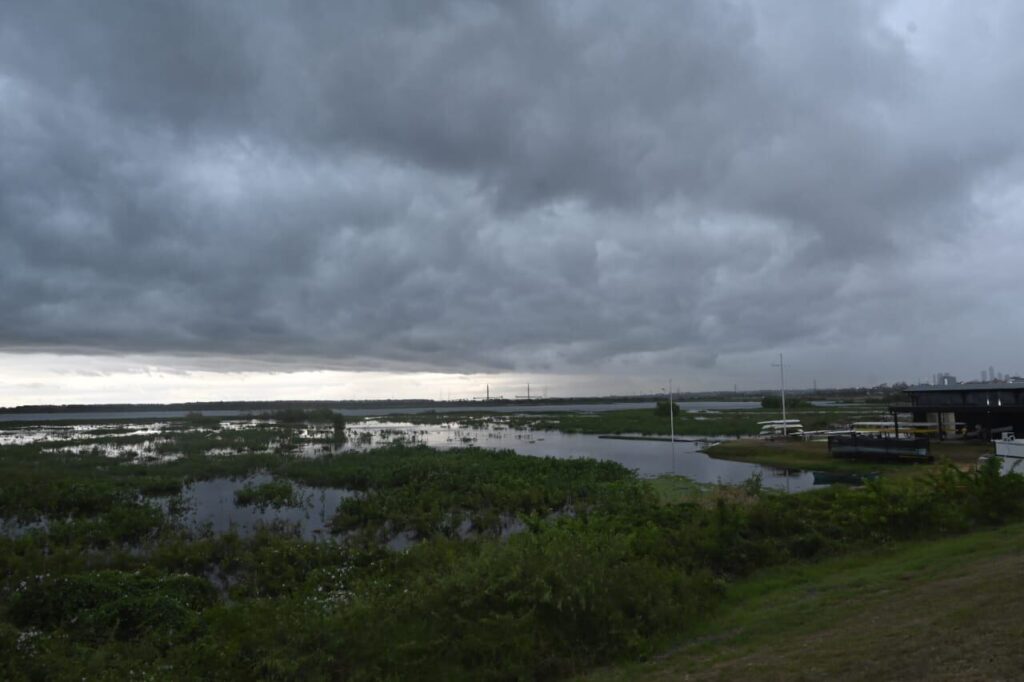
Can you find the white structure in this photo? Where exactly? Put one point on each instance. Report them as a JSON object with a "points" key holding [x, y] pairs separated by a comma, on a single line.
{"points": [[781, 427], [782, 384], [891, 429], [1010, 453]]}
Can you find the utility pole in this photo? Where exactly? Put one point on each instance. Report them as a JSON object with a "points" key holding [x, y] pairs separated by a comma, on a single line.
{"points": [[672, 423], [782, 381]]}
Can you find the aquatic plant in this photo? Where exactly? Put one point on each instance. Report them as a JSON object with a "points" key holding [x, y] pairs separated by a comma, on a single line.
{"points": [[277, 494]]}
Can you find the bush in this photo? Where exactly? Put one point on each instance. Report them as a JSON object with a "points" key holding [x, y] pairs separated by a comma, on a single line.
{"points": [[199, 420], [661, 408], [276, 494], [97, 606], [543, 604], [774, 402]]}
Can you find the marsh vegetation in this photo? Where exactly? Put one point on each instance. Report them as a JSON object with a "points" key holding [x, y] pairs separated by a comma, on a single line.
{"points": [[464, 563]]}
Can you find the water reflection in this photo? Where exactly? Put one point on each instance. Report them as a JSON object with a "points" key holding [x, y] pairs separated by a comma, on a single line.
{"points": [[649, 458], [211, 505], [26, 435]]}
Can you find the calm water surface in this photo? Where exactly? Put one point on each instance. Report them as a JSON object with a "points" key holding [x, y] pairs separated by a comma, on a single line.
{"points": [[211, 504], [648, 458]]}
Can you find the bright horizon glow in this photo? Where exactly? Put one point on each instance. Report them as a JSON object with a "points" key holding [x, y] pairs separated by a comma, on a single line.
{"points": [[48, 378], [59, 379]]}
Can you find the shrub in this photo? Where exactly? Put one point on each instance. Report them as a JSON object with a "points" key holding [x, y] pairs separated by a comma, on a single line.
{"points": [[200, 420], [774, 402], [661, 408], [100, 605], [276, 494]]}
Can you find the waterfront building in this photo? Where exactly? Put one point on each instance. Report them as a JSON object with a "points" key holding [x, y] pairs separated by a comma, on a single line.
{"points": [[982, 408]]}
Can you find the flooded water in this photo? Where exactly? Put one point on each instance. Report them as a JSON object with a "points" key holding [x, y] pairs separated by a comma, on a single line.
{"points": [[211, 504], [649, 458], [41, 434], [145, 451]]}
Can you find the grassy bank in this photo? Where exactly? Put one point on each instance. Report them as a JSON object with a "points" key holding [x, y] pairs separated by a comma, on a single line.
{"points": [[814, 455], [941, 610]]}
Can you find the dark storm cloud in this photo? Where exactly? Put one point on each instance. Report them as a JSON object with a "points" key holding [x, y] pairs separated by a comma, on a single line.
{"points": [[488, 185]]}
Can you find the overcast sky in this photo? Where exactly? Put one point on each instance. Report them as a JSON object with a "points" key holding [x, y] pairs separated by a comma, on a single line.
{"points": [[364, 199]]}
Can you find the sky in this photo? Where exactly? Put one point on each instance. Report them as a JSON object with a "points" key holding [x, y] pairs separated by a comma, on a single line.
{"points": [[323, 199]]}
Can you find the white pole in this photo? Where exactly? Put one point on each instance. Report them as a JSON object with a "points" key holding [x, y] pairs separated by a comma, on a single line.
{"points": [[671, 413], [672, 424], [782, 376]]}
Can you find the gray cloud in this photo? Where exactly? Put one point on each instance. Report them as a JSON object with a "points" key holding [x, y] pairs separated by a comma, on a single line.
{"points": [[488, 186]]}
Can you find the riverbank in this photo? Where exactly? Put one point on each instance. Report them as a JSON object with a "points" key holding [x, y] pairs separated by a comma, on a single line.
{"points": [[814, 456], [701, 422], [942, 610]]}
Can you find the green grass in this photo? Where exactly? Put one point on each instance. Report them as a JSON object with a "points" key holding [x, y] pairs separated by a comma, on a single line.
{"points": [[939, 610], [675, 489], [275, 494]]}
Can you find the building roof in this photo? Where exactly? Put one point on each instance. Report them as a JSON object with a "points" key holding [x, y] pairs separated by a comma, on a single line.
{"points": [[969, 386]]}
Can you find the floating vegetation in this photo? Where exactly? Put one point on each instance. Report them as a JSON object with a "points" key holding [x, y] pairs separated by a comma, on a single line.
{"points": [[276, 494]]}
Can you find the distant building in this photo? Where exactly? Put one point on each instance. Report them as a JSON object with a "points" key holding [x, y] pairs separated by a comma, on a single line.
{"points": [[984, 407]]}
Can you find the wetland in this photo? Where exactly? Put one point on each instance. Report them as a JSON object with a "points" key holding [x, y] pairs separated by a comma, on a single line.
{"points": [[433, 546]]}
